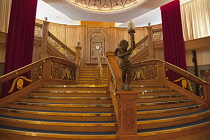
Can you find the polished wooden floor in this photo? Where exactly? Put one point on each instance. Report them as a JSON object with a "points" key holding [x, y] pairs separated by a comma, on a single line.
{"points": [[205, 135]]}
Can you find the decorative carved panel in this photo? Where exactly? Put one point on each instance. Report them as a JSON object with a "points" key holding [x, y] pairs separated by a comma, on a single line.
{"points": [[97, 41]]}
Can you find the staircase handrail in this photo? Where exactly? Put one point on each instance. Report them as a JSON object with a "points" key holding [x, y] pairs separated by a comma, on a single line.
{"points": [[115, 82], [115, 70], [157, 69], [38, 30], [157, 34], [140, 46], [47, 68], [54, 42], [62, 48], [100, 70], [144, 42]]}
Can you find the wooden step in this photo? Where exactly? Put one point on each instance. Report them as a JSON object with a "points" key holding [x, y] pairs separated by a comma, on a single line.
{"points": [[175, 131], [156, 98], [64, 99], [146, 114], [157, 92], [70, 93], [163, 104], [58, 115], [58, 125], [172, 120], [62, 106], [79, 87], [14, 133]]}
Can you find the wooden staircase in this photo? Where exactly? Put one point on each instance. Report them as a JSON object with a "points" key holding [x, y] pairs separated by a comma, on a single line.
{"points": [[92, 76], [85, 111], [162, 112]]}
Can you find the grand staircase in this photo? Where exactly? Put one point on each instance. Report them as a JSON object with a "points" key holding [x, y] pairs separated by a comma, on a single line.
{"points": [[85, 111], [162, 112]]}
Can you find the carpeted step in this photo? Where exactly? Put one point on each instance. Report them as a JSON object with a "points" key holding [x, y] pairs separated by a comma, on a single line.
{"points": [[173, 120], [70, 93], [143, 114], [62, 106], [58, 134], [58, 115], [64, 99], [196, 126], [79, 87], [59, 125], [156, 98], [163, 104]]}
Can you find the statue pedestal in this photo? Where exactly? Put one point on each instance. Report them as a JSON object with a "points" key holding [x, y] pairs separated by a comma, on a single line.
{"points": [[127, 116]]}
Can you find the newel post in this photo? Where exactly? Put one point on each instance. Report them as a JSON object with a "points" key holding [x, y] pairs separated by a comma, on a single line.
{"points": [[78, 53], [150, 42], [206, 87], [161, 72], [127, 117], [115, 67], [47, 69], [206, 93], [45, 29], [77, 59]]}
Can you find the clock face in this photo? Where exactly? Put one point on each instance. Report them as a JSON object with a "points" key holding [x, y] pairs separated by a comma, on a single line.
{"points": [[97, 47]]}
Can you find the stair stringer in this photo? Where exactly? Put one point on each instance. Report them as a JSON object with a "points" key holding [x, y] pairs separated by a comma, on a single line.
{"points": [[53, 52], [185, 92], [33, 86]]}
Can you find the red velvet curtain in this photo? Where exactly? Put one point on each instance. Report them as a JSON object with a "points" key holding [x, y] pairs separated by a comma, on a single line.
{"points": [[174, 50], [19, 45]]}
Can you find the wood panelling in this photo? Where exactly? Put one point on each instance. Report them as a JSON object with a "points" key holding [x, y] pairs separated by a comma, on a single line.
{"points": [[71, 34], [197, 43], [141, 32], [97, 24], [2, 53], [122, 33], [3, 37], [59, 31], [72, 37]]}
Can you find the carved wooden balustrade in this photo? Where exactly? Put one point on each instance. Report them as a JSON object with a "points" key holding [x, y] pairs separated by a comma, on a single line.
{"points": [[38, 30], [59, 46], [38, 72], [124, 101], [160, 70], [144, 72], [207, 78], [145, 48], [41, 31]]}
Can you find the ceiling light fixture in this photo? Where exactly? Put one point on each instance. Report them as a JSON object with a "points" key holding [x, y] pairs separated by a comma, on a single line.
{"points": [[106, 6]]}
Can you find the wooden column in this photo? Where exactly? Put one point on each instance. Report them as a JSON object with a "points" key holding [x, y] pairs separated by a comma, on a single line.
{"points": [[161, 72], [78, 53], [78, 60], [47, 69], [150, 43], [45, 29], [127, 117], [115, 69], [206, 87]]}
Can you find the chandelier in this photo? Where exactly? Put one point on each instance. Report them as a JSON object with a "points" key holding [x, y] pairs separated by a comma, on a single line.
{"points": [[106, 6]]}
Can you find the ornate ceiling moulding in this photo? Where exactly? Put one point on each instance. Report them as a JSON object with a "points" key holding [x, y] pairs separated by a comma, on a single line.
{"points": [[106, 6]]}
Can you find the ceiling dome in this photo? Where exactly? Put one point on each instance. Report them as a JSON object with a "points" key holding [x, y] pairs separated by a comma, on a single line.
{"points": [[106, 6]]}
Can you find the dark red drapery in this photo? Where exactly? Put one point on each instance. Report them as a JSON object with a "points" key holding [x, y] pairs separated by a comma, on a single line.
{"points": [[174, 50], [19, 45]]}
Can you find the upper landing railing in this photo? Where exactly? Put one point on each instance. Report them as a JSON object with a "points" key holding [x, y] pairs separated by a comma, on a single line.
{"points": [[154, 36], [41, 30], [50, 68]]}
